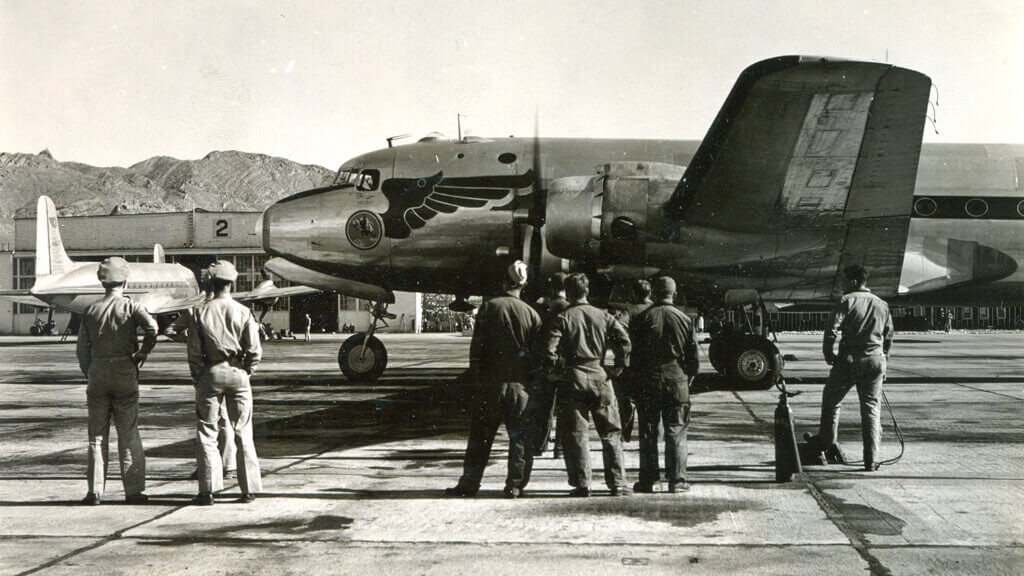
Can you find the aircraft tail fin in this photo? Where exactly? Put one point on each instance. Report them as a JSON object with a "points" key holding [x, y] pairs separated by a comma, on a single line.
{"points": [[50, 255], [158, 254], [806, 137]]}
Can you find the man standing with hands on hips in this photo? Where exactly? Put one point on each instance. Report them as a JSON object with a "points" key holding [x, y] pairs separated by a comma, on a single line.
{"points": [[223, 350], [865, 324], [110, 356]]}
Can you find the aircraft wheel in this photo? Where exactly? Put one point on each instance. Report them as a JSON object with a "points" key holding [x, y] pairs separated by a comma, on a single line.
{"points": [[754, 362], [361, 365], [34, 330]]}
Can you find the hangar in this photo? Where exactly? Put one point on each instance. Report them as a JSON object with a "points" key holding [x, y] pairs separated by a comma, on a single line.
{"points": [[193, 239]]}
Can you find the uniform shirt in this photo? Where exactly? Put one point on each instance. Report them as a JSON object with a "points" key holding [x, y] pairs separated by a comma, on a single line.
{"points": [[505, 329], [229, 334], [109, 330], [663, 335], [864, 322], [551, 308], [582, 334], [634, 310]]}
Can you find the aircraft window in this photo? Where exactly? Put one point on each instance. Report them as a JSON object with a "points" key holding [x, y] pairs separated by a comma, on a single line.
{"points": [[368, 180], [506, 158], [976, 208], [925, 206]]}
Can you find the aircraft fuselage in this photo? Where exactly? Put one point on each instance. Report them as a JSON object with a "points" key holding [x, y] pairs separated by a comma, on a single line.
{"points": [[442, 216]]}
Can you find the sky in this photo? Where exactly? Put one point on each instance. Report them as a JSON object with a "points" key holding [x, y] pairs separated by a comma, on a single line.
{"points": [[112, 83]]}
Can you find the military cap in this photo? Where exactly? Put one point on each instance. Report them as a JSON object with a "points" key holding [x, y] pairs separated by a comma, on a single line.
{"points": [[113, 269], [517, 273], [664, 285], [223, 270]]}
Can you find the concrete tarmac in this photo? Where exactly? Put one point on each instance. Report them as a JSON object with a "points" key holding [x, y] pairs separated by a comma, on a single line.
{"points": [[354, 475]]}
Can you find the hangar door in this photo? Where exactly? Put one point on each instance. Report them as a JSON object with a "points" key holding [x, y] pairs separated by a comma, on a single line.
{"points": [[322, 308]]}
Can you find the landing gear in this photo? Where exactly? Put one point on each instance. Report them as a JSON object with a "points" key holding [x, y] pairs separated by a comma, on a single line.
{"points": [[741, 352], [363, 357]]}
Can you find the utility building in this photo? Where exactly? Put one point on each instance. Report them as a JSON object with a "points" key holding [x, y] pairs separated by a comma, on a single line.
{"points": [[194, 240]]}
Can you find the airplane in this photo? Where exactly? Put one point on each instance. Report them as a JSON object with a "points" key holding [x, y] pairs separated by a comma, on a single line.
{"points": [[160, 287], [811, 164]]}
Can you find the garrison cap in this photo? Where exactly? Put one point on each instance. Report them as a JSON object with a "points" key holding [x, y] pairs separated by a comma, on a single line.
{"points": [[664, 285], [223, 270], [114, 269], [517, 273]]}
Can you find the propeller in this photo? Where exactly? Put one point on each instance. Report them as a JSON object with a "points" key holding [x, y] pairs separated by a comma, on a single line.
{"points": [[532, 244]]}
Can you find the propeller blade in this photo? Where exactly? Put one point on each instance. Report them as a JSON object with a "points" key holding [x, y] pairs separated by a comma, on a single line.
{"points": [[538, 212]]}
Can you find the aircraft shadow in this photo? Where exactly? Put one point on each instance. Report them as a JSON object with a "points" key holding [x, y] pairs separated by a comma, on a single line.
{"points": [[432, 408]]}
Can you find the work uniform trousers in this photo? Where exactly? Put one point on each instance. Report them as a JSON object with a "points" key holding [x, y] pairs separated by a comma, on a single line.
{"points": [[866, 373], [228, 385], [113, 393], [674, 418], [622, 385], [226, 440], [589, 395], [541, 415], [496, 403]]}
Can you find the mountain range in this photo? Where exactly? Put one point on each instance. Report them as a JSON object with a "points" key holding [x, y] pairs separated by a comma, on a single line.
{"points": [[220, 181]]}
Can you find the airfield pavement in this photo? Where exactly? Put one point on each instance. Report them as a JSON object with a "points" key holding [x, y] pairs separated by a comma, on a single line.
{"points": [[354, 475]]}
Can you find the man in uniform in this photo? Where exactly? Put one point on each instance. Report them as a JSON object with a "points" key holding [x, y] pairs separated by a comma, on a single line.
{"points": [[223, 350], [178, 332], [110, 357], [499, 359], [579, 339], [663, 364], [865, 324], [641, 301], [542, 411]]}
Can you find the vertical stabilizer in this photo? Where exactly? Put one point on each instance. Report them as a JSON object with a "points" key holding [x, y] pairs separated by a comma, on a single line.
{"points": [[50, 255], [158, 254]]}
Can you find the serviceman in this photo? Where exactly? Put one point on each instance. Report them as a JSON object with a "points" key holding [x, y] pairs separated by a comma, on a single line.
{"points": [[865, 325], [579, 338], [178, 332], [309, 326], [110, 356], [641, 300], [499, 359], [542, 410], [663, 363], [223, 350]]}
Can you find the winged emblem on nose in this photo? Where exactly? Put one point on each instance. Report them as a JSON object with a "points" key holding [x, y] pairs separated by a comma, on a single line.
{"points": [[414, 201]]}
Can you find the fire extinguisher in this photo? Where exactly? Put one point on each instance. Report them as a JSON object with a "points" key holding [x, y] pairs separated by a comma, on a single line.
{"points": [[787, 455]]}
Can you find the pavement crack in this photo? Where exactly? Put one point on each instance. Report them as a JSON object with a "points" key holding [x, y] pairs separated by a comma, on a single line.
{"points": [[875, 566]]}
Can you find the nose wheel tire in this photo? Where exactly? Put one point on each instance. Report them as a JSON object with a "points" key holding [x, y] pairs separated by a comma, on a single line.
{"points": [[361, 364], [754, 362]]}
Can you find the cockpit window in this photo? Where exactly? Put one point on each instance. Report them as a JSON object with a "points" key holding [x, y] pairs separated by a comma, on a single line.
{"points": [[366, 180]]}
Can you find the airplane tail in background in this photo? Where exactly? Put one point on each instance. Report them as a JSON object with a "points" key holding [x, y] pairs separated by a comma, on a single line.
{"points": [[158, 254], [50, 255]]}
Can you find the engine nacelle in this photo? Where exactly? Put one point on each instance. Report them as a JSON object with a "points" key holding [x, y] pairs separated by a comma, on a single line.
{"points": [[607, 219]]}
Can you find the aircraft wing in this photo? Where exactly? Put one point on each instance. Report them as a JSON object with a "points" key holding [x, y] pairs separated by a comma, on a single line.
{"points": [[22, 297], [172, 305], [275, 292], [812, 143]]}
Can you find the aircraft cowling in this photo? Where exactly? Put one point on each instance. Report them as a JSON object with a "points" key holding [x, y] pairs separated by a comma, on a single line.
{"points": [[606, 220]]}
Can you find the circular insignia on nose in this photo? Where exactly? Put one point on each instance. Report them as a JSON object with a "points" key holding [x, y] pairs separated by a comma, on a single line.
{"points": [[364, 229]]}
